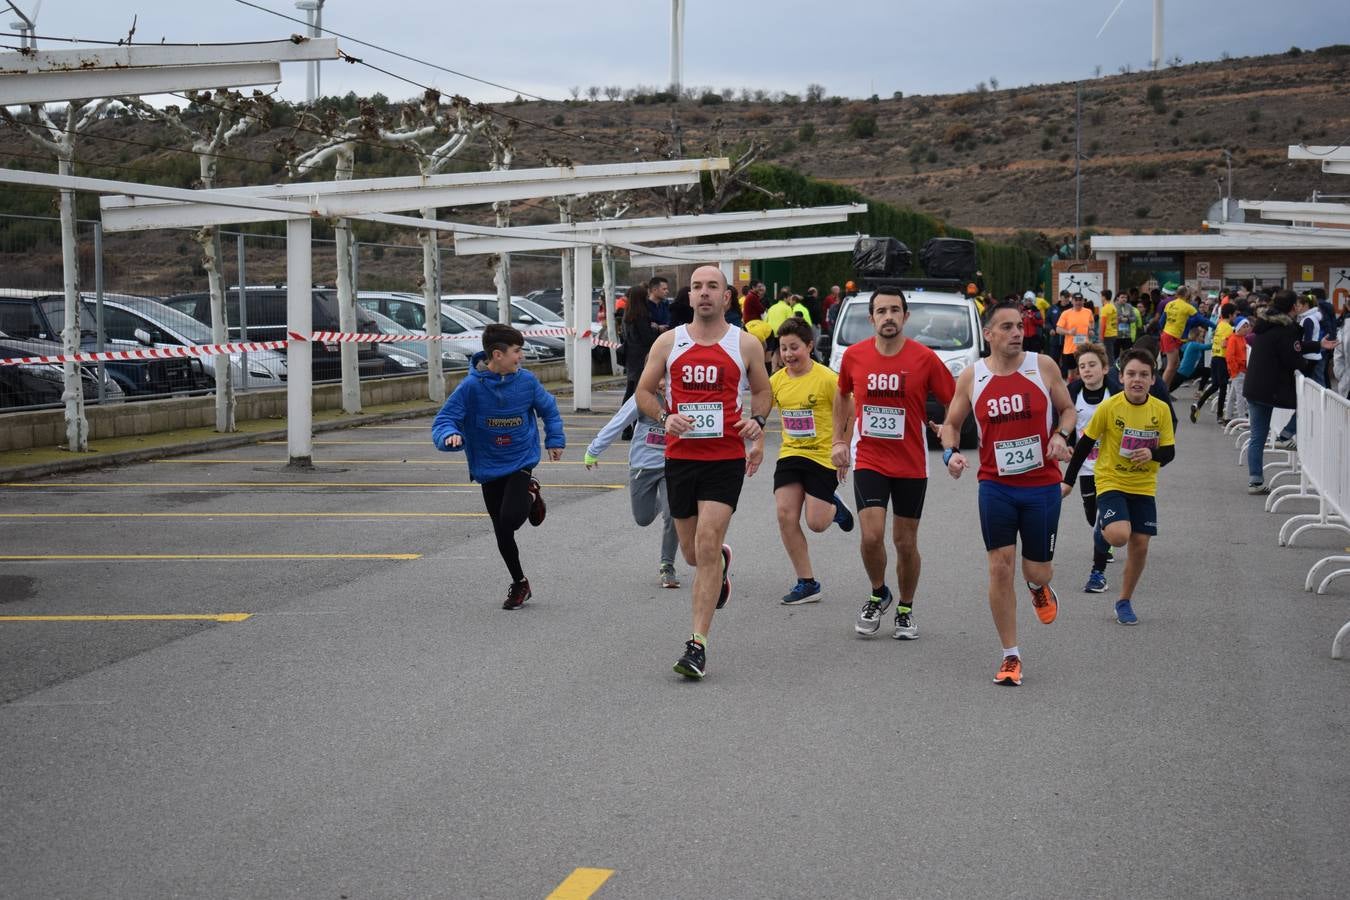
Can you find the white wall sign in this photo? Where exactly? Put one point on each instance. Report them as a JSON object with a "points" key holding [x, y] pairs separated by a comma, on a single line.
{"points": [[1089, 284]]}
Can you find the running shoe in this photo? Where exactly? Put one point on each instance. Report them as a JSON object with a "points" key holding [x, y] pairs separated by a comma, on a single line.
{"points": [[1286, 443], [726, 577], [1195, 413], [537, 507], [1125, 613], [869, 617], [806, 590], [1258, 488], [1222, 422], [1009, 671], [694, 663], [1045, 601], [842, 517], [1096, 582], [517, 594], [905, 629], [668, 577]]}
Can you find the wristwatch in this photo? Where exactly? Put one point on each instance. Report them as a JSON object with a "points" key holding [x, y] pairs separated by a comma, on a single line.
{"points": [[759, 420], [664, 415], [1064, 434]]}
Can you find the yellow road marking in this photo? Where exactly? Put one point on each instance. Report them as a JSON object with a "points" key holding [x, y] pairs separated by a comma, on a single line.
{"points": [[246, 515], [141, 556], [206, 617], [581, 884], [281, 484]]}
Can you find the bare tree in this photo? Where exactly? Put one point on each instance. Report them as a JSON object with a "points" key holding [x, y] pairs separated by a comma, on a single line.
{"points": [[502, 143], [592, 93], [218, 119], [993, 84], [60, 142], [608, 206], [613, 92], [745, 94], [449, 128], [575, 91], [815, 93]]}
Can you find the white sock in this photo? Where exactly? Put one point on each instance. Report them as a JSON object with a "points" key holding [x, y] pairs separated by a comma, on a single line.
{"points": [[1011, 651]]}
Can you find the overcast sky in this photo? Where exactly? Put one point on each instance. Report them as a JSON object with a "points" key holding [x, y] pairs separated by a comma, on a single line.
{"points": [[852, 47]]}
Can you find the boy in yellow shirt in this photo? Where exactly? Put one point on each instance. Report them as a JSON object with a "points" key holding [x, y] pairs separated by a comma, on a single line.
{"points": [[1135, 434], [805, 477], [1218, 364], [1107, 326]]}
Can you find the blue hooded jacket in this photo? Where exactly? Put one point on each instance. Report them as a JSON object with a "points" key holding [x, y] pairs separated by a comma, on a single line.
{"points": [[496, 415]]}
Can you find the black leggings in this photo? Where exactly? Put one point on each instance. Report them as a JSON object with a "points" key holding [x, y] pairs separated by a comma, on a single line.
{"points": [[508, 503], [1087, 487]]}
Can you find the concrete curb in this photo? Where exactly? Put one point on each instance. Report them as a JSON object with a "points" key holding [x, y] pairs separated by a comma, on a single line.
{"points": [[229, 441]]}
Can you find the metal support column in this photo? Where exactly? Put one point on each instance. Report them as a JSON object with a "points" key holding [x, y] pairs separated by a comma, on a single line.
{"points": [[581, 347], [300, 354]]}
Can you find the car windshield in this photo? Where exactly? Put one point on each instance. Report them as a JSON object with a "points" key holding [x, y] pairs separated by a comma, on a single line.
{"points": [[479, 318], [386, 324], [541, 313], [938, 326], [167, 318]]}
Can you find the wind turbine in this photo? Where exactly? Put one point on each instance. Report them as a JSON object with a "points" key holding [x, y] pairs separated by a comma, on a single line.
{"points": [[676, 45], [1157, 29], [27, 25]]}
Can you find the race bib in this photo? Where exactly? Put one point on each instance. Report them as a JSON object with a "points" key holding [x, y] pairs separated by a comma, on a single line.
{"points": [[1018, 456], [886, 422], [656, 438], [707, 419], [1134, 438], [799, 423]]}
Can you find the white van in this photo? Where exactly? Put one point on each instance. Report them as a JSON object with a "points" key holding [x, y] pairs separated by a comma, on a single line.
{"points": [[947, 323]]}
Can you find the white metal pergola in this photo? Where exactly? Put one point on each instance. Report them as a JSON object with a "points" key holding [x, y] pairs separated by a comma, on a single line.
{"points": [[622, 233], [35, 78], [727, 253], [298, 214], [50, 76]]}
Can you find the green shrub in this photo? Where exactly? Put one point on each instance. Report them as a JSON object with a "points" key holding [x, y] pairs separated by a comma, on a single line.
{"points": [[863, 127]]}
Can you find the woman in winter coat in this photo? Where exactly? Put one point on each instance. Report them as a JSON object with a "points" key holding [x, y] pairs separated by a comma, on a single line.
{"points": [[638, 336], [1271, 364]]}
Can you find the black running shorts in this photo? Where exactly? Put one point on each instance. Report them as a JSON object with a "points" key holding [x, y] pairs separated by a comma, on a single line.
{"points": [[905, 495], [818, 481], [690, 480]]}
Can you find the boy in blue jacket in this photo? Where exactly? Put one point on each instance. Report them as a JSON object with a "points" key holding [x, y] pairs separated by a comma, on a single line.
{"points": [[491, 417]]}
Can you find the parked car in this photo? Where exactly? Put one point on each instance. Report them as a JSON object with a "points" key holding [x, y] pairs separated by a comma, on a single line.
{"points": [[552, 299], [450, 359], [947, 323], [42, 384], [266, 311], [144, 321], [463, 327], [546, 346], [41, 315], [528, 316]]}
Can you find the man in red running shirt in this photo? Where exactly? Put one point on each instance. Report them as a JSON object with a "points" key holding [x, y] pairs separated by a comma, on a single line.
{"points": [[704, 364], [884, 385], [1025, 417]]}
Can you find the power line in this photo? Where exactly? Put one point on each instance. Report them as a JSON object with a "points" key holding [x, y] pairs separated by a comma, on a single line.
{"points": [[354, 40]]}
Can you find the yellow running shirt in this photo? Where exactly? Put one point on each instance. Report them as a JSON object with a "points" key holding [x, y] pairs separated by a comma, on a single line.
{"points": [[1176, 313], [1118, 426], [1222, 332], [807, 407]]}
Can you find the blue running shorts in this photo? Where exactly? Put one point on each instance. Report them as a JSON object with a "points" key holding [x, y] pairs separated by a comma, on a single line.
{"points": [[1030, 513]]}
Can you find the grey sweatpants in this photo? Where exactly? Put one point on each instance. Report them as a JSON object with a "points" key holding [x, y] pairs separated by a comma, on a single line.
{"points": [[647, 490]]}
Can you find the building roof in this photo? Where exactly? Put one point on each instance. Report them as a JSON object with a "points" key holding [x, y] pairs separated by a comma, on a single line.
{"points": [[1198, 242]]}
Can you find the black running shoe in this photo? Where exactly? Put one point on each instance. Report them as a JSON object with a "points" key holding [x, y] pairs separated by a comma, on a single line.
{"points": [[694, 662], [726, 576], [537, 507], [517, 594]]}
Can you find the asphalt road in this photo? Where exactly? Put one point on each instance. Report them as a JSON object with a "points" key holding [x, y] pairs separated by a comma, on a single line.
{"points": [[379, 727]]}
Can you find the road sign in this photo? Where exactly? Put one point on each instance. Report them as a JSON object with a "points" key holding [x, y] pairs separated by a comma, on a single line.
{"points": [[1202, 270]]}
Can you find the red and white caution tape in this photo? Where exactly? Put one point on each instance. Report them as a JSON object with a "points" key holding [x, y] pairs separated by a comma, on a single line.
{"points": [[326, 337], [146, 353]]}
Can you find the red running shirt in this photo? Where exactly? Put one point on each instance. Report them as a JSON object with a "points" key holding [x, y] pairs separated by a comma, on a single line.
{"points": [[704, 382], [890, 395], [1014, 416]]}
